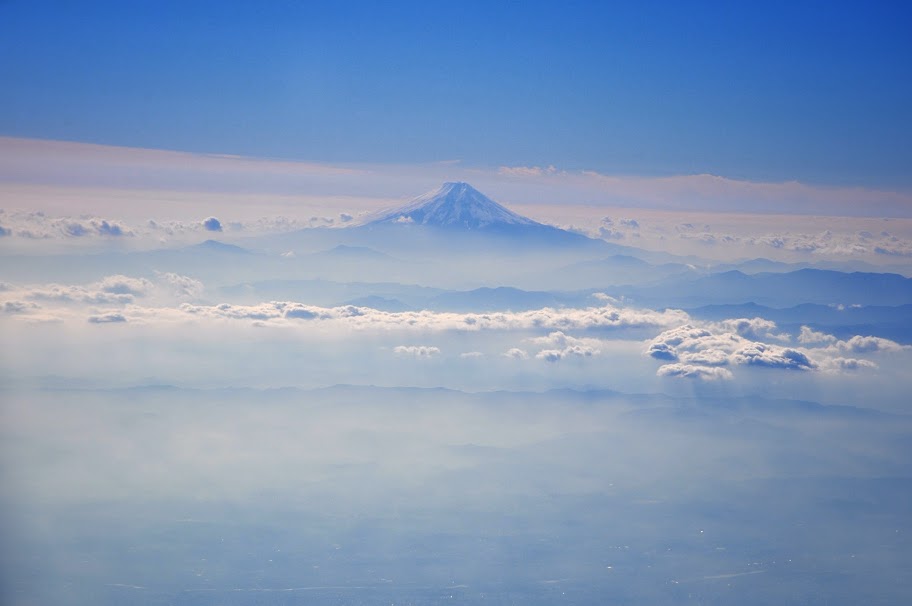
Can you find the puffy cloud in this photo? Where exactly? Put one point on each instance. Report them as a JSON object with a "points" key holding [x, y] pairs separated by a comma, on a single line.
{"points": [[558, 339], [110, 229], [690, 371], [772, 356], [610, 233], [76, 230], [829, 242], [516, 353], [124, 285], [553, 355], [662, 351], [711, 346], [182, 286], [753, 328], [704, 234], [37, 225], [607, 298], [690, 346], [861, 344], [562, 346], [811, 336], [212, 224], [471, 354], [709, 357], [611, 229], [299, 312], [687, 337], [99, 227], [417, 351], [264, 311], [846, 364]]}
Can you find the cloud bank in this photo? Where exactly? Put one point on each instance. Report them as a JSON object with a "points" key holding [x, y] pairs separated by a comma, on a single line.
{"points": [[707, 351]]}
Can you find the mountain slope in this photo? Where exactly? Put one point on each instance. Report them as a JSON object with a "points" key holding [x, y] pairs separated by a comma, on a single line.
{"points": [[459, 217], [456, 205]]}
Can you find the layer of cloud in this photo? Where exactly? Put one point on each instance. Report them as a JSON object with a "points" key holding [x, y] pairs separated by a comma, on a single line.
{"points": [[689, 348], [811, 336], [516, 354], [591, 318], [125, 285], [57, 162], [716, 346], [416, 351], [558, 346], [182, 286], [691, 371], [692, 351], [840, 365], [838, 238], [866, 344], [705, 351], [115, 290], [36, 225], [752, 328], [772, 356], [714, 192]]}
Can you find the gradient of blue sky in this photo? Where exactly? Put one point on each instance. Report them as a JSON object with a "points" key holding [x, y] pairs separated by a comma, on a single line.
{"points": [[813, 91]]}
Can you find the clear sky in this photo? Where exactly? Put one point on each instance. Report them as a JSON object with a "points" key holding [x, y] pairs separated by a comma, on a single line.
{"points": [[819, 92]]}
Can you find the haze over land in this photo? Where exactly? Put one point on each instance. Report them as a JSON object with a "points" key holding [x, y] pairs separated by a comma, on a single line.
{"points": [[608, 331]]}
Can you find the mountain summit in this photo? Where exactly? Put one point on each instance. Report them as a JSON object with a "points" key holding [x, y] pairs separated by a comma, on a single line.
{"points": [[454, 205], [457, 215]]}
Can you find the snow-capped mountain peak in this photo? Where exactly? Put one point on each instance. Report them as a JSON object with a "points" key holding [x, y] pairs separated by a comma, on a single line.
{"points": [[453, 205]]}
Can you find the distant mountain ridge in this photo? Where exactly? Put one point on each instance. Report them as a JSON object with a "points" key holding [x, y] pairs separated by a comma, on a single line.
{"points": [[817, 286]]}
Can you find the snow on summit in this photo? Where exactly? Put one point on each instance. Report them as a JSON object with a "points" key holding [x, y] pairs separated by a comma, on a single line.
{"points": [[453, 205]]}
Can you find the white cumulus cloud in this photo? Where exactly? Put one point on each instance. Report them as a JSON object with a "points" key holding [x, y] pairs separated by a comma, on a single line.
{"points": [[691, 371], [417, 351]]}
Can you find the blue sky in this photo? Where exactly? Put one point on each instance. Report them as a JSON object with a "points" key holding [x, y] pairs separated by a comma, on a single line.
{"points": [[816, 92]]}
